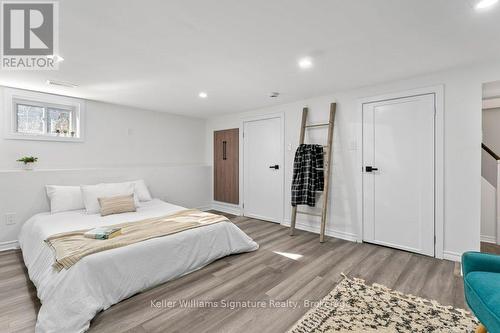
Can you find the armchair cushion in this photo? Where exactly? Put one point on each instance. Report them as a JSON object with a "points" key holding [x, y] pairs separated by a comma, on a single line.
{"points": [[480, 262], [482, 288]]}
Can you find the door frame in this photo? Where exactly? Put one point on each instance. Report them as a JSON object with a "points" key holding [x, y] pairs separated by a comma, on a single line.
{"points": [[438, 92], [281, 116]]}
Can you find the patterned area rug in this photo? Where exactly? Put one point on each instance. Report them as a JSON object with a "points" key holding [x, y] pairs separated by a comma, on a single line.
{"points": [[354, 306]]}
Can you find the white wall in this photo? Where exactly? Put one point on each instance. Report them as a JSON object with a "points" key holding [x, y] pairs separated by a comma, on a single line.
{"points": [[120, 143], [462, 102], [23, 192], [155, 138]]}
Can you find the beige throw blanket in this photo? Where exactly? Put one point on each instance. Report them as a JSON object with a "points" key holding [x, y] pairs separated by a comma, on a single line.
{"points": [[72, 246]]}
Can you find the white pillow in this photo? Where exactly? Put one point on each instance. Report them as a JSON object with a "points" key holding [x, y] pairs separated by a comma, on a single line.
{"points": [[64, 198], [91, 194], [141, 190]]}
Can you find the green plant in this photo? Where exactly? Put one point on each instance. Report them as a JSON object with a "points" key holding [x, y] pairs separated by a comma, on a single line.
{"points": [[28, 159]]}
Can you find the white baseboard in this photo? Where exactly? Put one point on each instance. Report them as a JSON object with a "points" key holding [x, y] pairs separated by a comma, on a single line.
{"points": [[11, 245], [453, 256], [328, 232], [488, 239], [448, 255], [263, 218], [342, 235], [227, 208], [204, 208]]}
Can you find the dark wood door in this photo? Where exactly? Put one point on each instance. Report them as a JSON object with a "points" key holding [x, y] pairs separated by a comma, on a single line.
{"points": [[226, 166]]}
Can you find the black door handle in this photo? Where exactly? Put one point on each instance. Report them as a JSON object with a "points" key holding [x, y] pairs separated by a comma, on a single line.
{"points": [[370, 169], [275, 167]]}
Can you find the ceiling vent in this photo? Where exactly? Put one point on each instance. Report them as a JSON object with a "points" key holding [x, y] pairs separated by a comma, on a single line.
{"points": [[61, 84]]}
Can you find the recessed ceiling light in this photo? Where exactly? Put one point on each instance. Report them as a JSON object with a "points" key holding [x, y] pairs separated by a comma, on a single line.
{"points": [[305, 63], [55, 57], [62, 83], [203, 94], [483, 4]]}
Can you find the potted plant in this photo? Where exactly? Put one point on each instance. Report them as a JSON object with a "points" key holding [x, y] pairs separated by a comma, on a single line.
{"points": [[28, 162], [58, 132], [73, 134], [65, 132]]}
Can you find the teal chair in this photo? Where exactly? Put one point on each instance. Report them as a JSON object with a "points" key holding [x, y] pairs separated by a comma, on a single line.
{"points": [[482, 288]]}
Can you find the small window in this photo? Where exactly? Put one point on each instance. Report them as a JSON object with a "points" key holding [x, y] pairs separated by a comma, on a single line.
{"points": [[37, 116], [30, 119], [60, 121], [42, 119]]}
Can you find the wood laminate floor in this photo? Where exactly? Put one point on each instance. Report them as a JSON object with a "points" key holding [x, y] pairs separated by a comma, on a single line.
{"points": [[284, 268]]}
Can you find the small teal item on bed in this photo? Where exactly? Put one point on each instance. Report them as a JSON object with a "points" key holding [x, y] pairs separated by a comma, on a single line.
{"points": [[103, 233], [482, 287]]}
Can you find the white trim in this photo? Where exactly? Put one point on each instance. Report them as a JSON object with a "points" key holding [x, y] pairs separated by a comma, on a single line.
{"points": [[227, 208], [10, 245], [488, 239], [11, 94], [263, 218], [315, 228], [281, 116], [119, 167], [204, 208], [394, 246], [439, 172], [452, 256], [438, 92]]}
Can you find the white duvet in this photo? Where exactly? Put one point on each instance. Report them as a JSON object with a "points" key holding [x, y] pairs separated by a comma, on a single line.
{"points": [[71, 298]]}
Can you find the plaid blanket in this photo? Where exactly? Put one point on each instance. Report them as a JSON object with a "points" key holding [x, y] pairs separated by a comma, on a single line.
{"points": [[308, 175]]}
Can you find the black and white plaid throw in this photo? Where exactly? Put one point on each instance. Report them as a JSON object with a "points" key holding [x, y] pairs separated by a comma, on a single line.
{"points": [[308, 175]]}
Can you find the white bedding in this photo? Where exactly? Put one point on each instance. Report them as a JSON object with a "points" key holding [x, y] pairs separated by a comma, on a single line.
{"points": [[71, 298]]}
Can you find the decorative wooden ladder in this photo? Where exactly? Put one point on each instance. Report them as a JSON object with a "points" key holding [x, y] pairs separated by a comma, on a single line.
{"points": [[327, 164]]}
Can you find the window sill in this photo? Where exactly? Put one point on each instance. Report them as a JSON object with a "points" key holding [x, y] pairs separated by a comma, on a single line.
{"points": [[16, 136]]}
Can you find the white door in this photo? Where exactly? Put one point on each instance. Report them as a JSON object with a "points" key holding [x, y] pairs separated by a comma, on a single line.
{"points": [[398, 173], [263, 169]]}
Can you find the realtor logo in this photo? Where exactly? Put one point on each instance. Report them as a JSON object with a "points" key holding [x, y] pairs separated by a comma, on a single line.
{"points": [[29, 35]]}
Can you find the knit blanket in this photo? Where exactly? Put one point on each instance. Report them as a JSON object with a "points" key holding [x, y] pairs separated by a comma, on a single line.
{"points": [[70, 247]]}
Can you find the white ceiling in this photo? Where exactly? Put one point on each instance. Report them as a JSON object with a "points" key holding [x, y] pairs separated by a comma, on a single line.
{"points": [[159, 55]]}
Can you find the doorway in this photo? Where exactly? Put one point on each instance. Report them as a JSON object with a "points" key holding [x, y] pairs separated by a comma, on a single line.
{"points": [[263, 168], [490, 169], [399, 172]]}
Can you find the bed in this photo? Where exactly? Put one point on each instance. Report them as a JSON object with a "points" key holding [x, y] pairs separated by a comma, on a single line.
{"points": [[72, 297]]}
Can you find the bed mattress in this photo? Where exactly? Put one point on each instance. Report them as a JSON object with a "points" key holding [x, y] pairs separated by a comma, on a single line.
{"points": [[71, 298]]}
